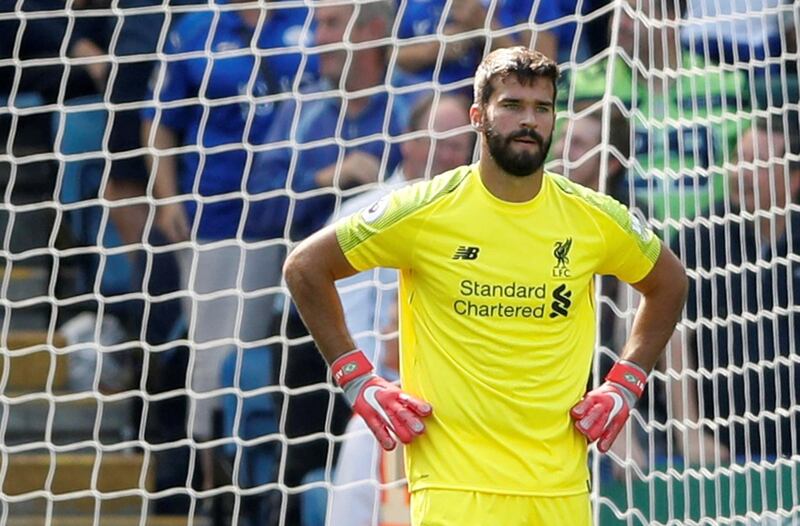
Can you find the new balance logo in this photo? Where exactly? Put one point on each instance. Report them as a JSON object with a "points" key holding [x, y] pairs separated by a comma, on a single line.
{"points": [[561, 301], [463, 252]]}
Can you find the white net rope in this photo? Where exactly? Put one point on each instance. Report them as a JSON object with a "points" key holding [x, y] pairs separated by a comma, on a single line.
{"points": [[153, 367]]}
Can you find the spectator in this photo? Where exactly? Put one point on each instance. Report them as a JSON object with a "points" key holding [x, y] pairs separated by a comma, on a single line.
{"points": [[138, 36], [681, 139], [578, 152], [557, 43], [199, 184], [745, 276], [340, 130], [317, 168], [364, 296], [369, 298], [421, 62], [753, 35], [44, 37], [578, 42], [128, 174], [510, 13], [369, 483]]}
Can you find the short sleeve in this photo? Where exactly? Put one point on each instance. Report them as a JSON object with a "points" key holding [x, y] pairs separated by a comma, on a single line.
{"points": [[631, 247], [382, 234]]}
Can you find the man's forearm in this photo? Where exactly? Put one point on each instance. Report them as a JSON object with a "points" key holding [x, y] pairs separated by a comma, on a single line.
{"points": [[319, 305], [311, 272], [356, 169], [653, 326], [603, 412], [314, 293], [416, 57]]}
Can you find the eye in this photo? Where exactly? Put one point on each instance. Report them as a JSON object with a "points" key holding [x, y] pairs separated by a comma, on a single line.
{"points": [[510, 104], [543, 108]]}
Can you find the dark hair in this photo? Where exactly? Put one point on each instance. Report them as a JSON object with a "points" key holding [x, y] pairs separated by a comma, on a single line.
{"points": [[525, 64]]}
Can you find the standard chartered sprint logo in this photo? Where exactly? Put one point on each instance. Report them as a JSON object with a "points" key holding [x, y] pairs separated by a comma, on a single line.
{"points": [[510, 300]]}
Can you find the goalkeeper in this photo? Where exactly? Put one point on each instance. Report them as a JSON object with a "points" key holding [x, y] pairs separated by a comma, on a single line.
{"points": [[497, 263]]}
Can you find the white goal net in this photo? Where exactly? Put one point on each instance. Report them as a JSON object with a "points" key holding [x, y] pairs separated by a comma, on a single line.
{"points": [[160, 158]]}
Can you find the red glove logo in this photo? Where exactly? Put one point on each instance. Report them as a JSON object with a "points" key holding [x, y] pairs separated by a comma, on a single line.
{"points": [[601, 415], [603, 411], [385, 408]]}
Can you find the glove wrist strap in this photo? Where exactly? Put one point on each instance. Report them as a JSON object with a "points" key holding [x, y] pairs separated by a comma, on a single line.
{"points": [[351, 371], [629, 376], [350, 366]]}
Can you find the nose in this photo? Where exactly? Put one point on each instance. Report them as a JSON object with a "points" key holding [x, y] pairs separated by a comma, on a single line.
{"points": [[528, 118]]}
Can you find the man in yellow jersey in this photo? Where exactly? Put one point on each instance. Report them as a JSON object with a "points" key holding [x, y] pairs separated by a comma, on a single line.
{"points": [[497, 263]]}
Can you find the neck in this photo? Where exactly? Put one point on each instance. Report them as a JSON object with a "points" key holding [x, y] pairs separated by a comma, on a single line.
{"points": [[505, 186]]}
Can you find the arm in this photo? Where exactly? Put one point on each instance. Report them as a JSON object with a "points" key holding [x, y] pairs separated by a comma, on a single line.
{"points": [[417, 57], [311, 272], [170, 218], [663, 293], [357, 168], [604, 411], [501, 41], [98, 71]]}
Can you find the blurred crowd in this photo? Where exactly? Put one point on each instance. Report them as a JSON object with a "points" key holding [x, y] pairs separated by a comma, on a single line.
{"points": [[208, 137]]}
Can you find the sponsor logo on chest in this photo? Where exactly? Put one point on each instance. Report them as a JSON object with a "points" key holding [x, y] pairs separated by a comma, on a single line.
{"points": [[484, 297]]}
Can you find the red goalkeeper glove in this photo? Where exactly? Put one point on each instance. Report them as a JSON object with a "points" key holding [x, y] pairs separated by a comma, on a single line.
{"points": [[603, 411], [382, 405]]}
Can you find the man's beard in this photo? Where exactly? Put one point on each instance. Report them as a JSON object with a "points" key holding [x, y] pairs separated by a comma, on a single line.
{"points": [[521, 164]]}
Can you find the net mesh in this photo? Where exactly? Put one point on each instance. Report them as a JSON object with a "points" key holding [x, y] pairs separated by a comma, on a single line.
{"points": [[160, 159]]}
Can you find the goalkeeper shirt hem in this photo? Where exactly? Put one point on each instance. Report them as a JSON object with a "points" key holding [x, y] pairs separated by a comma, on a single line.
{"points": [[566, 492]]}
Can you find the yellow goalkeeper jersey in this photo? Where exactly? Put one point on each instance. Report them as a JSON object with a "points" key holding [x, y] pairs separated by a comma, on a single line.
{"points": [[497, 321]]}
